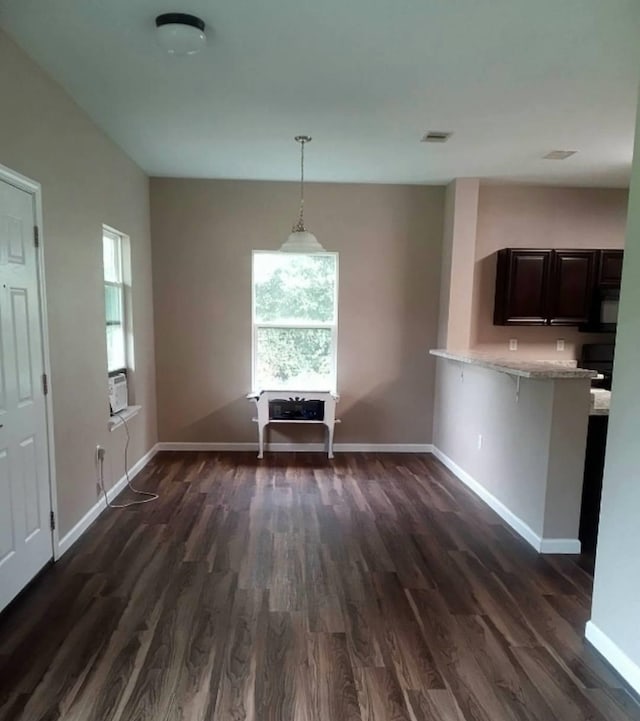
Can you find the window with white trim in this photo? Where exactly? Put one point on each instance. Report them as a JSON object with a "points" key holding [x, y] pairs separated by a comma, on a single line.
{"points": [[295, 321], [113, 248]]}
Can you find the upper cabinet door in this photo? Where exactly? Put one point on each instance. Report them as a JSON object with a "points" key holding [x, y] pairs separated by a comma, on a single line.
{"points": [[572, 285], [610, 268], [522, 287]]}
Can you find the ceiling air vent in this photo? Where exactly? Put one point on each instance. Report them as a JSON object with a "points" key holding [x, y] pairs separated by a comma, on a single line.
{"points": [[436, 136], [559, 154]]}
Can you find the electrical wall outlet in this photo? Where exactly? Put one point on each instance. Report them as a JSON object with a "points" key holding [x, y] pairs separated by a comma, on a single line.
{"points": [[480, 441], [513, 344], [560, 344], [100, 453]]}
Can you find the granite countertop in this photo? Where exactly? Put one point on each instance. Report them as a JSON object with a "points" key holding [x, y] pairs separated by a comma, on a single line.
{"points": [[523, 368]]}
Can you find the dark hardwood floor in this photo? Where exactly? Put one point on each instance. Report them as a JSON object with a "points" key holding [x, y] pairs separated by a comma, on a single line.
{"points": [[370, 588]]}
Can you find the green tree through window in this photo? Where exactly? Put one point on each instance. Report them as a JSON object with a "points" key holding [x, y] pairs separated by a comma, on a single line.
{"points": [[295, 320]]}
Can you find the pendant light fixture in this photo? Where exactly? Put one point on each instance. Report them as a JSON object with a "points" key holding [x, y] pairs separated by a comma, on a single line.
{"points": [[301, 240]]}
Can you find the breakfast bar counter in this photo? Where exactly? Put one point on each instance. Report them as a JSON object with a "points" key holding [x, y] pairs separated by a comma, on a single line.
{"points": [[515, 431], [549, 370]]}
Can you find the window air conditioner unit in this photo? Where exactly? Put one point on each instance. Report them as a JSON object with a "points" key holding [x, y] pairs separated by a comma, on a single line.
{"points": [[118, 394]]}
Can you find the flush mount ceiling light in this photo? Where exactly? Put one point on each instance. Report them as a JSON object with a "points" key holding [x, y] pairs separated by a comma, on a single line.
{"points": [[301, 240], [181, 34]]}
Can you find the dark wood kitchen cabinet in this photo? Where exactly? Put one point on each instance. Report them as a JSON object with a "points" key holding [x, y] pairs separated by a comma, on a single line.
{"points": [[522, 287], [552, 287], [610, 268], [571, 286]]}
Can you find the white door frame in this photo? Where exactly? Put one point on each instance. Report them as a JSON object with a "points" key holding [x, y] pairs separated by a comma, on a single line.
{"points": [[35, 190]]}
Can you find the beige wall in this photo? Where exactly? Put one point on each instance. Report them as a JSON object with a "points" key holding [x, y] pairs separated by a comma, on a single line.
{"points": [[615, 616], [445, 266], [529, 216], [458, 263], [389, 240], [533, 442], [86, 181]]}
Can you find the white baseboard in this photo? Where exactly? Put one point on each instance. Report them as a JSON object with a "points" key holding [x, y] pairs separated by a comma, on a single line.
{"points": [[383, 447], [301, 447], [542, 545], [65, 543], [186, 446], [561, 545], [628, 669]]}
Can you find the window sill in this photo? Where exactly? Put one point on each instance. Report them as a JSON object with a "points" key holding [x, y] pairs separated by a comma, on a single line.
{"points": [[286, 392], [128, 413]]}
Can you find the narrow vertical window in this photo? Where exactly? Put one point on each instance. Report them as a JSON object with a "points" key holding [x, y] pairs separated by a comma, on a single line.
{"points": [[114, 300]]}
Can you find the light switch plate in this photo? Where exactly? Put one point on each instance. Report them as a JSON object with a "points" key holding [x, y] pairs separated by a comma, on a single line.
{"points": [[560, 344], [513, 344]]}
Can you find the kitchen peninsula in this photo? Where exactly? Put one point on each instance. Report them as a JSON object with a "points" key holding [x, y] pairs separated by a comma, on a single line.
{"points": [[515, 432]]}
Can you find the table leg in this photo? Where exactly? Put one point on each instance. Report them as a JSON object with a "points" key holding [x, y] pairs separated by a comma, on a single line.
{"points": [[330, 440]]}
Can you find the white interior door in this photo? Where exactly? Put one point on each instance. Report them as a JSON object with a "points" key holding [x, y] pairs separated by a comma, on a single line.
{"points": [[25, 500]]}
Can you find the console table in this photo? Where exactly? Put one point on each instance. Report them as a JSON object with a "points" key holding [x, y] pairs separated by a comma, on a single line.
{"points": [[266, 402]]}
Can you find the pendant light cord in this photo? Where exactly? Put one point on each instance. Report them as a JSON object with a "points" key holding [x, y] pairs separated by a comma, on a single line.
{"points": [[299, 226], [302, 171], [300, 239]]}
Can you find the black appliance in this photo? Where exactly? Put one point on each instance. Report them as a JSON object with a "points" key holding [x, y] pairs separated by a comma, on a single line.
{"points": [[598, 357], [592, 482], [604, 311]]}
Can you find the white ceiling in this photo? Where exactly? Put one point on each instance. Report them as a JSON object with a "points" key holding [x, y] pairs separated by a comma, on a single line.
{"points": [[513, 79]]}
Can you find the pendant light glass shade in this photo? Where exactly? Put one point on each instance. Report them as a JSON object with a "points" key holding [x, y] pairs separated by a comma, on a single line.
{"points": [[301, 240]]}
